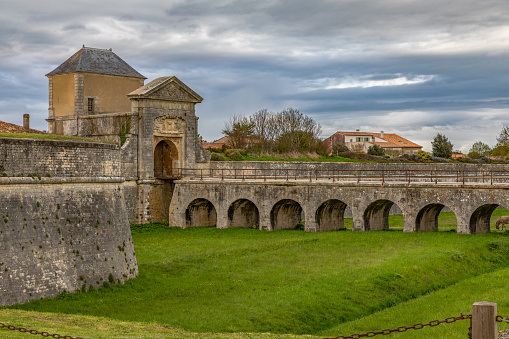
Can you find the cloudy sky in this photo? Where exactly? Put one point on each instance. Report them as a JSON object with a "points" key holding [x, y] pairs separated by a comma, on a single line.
{"points": [[415, 68]]}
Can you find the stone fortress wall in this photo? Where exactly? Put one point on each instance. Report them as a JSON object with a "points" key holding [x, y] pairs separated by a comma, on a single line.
{"points": [[64, 224]]}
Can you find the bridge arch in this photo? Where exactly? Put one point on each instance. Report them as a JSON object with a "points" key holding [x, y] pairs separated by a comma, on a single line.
{"points": [[166, 159], [201, 213], [330, 215], [427, 218], [243, 213], [376, 215], [480, 218], [286, 214]]}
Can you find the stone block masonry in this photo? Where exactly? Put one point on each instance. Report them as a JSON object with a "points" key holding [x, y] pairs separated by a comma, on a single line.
{"points": [[52, 158], [66, 231]]}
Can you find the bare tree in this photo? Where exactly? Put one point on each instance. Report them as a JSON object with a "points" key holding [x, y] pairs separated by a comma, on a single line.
{"points": [[297, 132], [263, 129], [503, 137], [285, 131]]}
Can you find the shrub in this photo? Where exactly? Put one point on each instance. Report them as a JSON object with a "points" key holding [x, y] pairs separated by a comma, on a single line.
{"points": [[234, 154], [376, 150], [339, 147], [425, 156], [217, 157]]}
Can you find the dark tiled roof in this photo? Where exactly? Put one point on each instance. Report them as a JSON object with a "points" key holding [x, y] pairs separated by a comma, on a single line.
{"points": [[94, 60], [6, 127]]}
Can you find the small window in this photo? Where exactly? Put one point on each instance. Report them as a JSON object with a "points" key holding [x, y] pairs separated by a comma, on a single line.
{"points": [[358, 139], [90, 105], [366, 139]]}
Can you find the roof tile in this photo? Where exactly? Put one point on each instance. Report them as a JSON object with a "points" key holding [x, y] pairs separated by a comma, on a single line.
{"points": [[392, 140], [6, 127], [95, 60]]}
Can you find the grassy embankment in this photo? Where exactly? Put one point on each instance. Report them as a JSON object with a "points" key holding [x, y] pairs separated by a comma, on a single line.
{"points": [[242, 280]]}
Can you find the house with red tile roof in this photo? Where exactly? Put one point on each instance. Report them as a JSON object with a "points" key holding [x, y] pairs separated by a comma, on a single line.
{"points": [[393, 144], [6, 127]]}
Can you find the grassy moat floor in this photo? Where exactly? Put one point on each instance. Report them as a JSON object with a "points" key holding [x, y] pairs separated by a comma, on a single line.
{"points": [[244, 283]]}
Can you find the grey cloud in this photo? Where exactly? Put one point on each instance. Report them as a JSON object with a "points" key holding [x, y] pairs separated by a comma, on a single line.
{"points": [[243, 56], [73, 27]]}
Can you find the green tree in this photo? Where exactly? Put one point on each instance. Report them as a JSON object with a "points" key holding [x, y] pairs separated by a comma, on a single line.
{"points": [[441, 146], [479, 149], [239, 131], [500, 150], [376, 150]]}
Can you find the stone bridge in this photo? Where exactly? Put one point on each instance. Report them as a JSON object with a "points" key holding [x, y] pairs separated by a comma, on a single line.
{"points": [[321, 205]]}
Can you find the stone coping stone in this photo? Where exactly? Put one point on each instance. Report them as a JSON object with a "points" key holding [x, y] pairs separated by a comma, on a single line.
{"points": [[61, 143], [58, 180]]}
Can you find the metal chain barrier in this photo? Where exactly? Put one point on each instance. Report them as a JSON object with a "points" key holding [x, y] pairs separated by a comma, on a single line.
{"points": [[35, 332], [419, 326], [501, 319], [369, 334]]}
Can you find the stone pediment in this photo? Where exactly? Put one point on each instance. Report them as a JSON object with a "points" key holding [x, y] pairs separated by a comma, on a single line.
{"points": [[166, 88]]}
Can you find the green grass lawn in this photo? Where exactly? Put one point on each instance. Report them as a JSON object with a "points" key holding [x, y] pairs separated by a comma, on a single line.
{"points": [[242, 280]]}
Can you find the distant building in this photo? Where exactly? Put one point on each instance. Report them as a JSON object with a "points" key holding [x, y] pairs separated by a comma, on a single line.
{"points": [[225, 142], [219, 143], [6, 127], [457, 154], [393, 144]]}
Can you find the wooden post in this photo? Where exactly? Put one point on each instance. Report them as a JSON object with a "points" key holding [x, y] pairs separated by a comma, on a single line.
{"points": [[484, 320]]}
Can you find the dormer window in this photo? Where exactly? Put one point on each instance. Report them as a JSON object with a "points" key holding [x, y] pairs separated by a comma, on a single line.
{"points": [[90, 105]]}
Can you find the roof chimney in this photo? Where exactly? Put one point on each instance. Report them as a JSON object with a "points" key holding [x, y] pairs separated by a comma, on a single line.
{"points": [[382, 134], [357, 130], [26, 122]]}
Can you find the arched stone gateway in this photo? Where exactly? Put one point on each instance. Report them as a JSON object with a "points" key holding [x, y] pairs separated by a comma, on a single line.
{"points": [[286, 214], [480, 219], [243, 213], [330, 215], [201, 213], [376, 215], [427, 218], [165, 159]]}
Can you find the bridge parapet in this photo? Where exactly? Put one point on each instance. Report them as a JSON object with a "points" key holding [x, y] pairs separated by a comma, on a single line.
{"points": [[459, 176]]}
